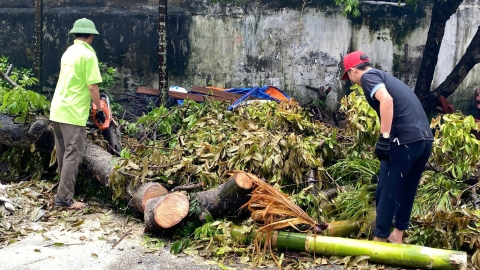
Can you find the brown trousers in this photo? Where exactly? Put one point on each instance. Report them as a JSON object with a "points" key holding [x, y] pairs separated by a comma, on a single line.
{"points": [[70, 148]]}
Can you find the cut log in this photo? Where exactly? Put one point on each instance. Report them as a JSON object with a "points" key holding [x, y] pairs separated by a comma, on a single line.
{"points": [[139, 197], [227, 198], [166, 211]]}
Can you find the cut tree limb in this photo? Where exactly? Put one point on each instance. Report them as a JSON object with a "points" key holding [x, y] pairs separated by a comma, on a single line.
{"points": [[227, 198], [98, 162], [7, 79]]}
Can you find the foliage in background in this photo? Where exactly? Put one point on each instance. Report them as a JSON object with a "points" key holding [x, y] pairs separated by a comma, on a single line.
{"points": [[108, 79], [363, 124], [353, 6], [455, 142], [18, 101]]}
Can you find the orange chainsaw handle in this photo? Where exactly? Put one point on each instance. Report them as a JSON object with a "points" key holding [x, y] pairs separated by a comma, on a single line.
{"points": [[106, 110]]}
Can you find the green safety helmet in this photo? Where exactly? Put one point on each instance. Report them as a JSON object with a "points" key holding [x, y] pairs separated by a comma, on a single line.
{"points": [[84, 26]]}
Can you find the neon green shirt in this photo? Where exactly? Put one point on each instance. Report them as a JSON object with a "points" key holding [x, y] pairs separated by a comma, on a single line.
{"points": [[71, 100]]}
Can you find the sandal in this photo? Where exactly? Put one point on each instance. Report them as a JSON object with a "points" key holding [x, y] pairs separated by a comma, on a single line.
{"points": [[70, 204], [77, 205]]}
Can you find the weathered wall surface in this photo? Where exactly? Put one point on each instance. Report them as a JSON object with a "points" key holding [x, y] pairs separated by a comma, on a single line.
{"points": [[263, 42]]}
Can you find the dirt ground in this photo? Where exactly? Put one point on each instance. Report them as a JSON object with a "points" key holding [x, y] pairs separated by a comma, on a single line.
{"points": [[36, 235], [95, 245]]}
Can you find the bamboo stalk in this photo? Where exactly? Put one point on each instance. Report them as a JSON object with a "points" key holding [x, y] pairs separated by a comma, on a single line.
{"points": [[342, 228], [401, 255], [380, 252]]}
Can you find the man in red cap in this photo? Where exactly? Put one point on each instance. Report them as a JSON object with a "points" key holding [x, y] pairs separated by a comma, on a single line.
{"points": [[403, 147]]}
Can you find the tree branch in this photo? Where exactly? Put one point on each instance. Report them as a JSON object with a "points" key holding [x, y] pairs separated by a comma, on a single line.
{"points": [[6, 78]]}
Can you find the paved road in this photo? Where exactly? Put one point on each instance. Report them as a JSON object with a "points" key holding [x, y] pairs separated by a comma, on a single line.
{"points": [[88, 248]]}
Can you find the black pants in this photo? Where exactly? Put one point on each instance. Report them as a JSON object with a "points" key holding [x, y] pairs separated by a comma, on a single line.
{"points": [[397, 185]]}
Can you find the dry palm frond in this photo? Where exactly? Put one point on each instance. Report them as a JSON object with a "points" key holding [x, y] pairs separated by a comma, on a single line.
{"points": [[275, 211]]}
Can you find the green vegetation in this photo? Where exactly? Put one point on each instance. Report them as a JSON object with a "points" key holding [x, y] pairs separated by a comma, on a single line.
{"points": [[18, 101], [353, 6]]}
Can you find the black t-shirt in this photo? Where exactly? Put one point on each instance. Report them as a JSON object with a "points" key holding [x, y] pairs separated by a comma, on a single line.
{"points": [[410, 123]]}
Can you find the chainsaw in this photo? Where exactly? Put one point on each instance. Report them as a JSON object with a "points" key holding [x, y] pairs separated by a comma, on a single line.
{"points": [[108, 128], [105, 105]]}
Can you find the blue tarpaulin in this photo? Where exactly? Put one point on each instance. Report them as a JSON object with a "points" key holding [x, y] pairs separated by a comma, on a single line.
{"points": [[260, 93]]}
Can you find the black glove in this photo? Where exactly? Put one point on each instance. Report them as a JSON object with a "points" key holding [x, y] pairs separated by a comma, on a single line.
{"points": [[382, 149], [375, 178], [100, 117]]}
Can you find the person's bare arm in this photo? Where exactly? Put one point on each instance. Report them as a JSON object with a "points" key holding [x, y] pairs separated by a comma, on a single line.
{"points": [[386, 109], [95, 94]]}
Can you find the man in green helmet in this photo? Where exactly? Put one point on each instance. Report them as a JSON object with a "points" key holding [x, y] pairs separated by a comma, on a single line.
{"points": [[77, 85]]}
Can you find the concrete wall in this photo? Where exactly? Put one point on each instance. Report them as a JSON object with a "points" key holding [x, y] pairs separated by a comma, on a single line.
{"points": [[265, 42]]}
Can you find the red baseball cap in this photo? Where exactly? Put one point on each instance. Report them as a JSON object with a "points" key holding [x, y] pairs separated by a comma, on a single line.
{"points": [[352, 60]]}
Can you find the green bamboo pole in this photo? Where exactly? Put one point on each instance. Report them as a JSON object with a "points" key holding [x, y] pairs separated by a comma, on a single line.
{"points": [[342, 228], [339, 228], [379, 252]]}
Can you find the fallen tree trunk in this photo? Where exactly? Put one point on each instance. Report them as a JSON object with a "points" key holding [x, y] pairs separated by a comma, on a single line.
{"points": [[159, 211], [99, 163], [37, 135]]}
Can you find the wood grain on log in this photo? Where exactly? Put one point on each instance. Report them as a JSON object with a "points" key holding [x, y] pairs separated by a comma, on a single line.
{"points": [[166, 211], [138, 198]]}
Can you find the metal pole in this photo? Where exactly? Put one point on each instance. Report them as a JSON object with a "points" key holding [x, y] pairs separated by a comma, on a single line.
{"points": [[162, 52], [38, 43]]}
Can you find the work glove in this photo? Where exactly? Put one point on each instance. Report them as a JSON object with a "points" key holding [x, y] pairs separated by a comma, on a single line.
{"points": [[375, 178], [100, 117], [382, 149]]}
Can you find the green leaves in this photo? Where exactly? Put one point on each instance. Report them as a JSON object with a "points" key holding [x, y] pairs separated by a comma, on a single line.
{"points": [[455, 148], [179, 245], [18, 101], [108, 78], [363, 123], [23, 103], [353, 6], [349, 7]]}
